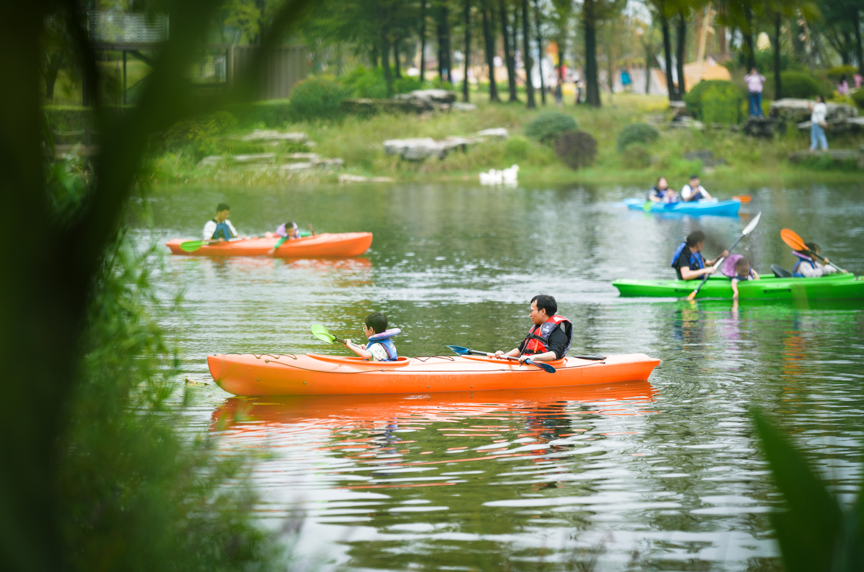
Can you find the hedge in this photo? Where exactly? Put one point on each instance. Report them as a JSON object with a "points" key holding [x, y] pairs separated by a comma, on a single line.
{"points": [[723, 93], [549, 125], [636, 134]]}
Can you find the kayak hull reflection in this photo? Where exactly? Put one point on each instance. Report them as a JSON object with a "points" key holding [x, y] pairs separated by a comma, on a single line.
{"points": [[319, 246], [312, 374], [717, 208], [830, 287]]}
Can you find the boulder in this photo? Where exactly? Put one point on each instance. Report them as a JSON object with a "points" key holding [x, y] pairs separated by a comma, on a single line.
{"points": [[322, 164], [419, 149], [678, 109], [798, 110], [431, 95], [459, 106], [707, 158], [685, 122], [360, 179], [494, 133], [851, 124], [268, 135], [762, 126]]}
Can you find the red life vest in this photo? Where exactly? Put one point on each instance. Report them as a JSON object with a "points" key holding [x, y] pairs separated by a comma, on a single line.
{"points": [[538, 337]]}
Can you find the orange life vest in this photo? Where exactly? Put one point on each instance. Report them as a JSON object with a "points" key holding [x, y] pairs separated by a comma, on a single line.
{"points": [[538, 337]]}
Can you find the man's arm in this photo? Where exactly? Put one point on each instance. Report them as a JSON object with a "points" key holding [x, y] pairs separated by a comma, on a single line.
{"points": [[557, 343], [209, 229]]}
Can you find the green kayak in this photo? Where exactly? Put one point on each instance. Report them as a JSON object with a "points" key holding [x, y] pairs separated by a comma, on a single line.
{"points": [[830, 287]]}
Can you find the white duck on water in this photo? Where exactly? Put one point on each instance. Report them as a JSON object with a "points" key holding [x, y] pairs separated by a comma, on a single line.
{"points": [[505, 177]]}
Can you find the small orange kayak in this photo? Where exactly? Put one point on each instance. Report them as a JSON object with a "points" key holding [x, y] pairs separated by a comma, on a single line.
{"points": [[321, 245], [311, 374]]}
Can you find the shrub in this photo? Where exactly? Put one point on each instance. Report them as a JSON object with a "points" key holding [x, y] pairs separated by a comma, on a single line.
{"points": [[406, 85], [724, 94], [316, 97], [272, 113], [576, 148], [636, 156], [636, 133], [365, 82], [858, 97], [800, 85], [721, 105], [199, 129], [834, 73], [549, 125]]}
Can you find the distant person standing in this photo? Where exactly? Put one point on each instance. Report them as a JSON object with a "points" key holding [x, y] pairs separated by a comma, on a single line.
{"points": [[858, 79], [818, 124], [843, 85], [755, 80]]}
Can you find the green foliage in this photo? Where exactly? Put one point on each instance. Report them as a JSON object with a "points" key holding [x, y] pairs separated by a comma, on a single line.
{"points": [[858, 98], [134, 493], [813, 533], [272, 113], [407, 84], [825, 162], [636, 133], [576, 148], [636, 156], [365, 82], [199, 129], [67, 122], [800, 85], [548, 125], [724, 94], [833, 74], [316, 97]]}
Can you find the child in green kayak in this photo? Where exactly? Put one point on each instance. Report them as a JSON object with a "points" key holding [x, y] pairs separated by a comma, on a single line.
{"points": [[380, 346], [809, 266], [743, 271]]}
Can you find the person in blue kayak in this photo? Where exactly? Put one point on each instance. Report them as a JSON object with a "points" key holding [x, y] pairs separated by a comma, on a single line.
{"points": [[693, 191], [220, 228], [688, 261], [808, 266], [661, 193], [380, 346], [550, 336]]}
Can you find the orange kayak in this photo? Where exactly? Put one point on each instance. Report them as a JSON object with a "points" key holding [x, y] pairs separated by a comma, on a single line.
{"points": [[321, 245], [311, 374]]}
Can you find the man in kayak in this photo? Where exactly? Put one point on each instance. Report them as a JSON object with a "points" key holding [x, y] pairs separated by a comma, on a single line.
{"points": [[807, 266], [380, 346], [220, 228], [550, 336], [661, 193], [693, 191], [688, 261]]}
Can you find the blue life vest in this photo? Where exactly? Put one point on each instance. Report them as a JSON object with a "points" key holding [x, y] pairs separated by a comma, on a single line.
{"points": [[796, 274], [695, 257], [222, 231], [698, 196], [384, 339]]}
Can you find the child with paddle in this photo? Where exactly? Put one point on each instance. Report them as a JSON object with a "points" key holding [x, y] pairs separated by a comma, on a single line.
{"points": [[380, 346], [807, 265]]}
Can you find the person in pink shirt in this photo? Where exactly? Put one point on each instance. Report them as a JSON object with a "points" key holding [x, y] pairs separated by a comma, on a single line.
{"points": [[858, 79], [755, 80], [843, 85]]}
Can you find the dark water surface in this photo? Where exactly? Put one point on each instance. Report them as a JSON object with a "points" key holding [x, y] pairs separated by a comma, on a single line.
{"points": [[660, 475]]}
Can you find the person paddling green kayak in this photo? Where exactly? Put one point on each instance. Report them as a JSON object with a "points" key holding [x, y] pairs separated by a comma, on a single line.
{"points": [[688, 261]]}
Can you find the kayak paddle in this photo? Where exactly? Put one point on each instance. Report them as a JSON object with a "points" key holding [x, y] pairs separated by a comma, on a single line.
{"points": [[465, 352], [193, 245], [320, 332], [747, 230], [744, 199], [796, 243]]}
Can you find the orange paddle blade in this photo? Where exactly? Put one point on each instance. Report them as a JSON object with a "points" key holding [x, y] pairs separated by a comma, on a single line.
{"points": [[743, 198], [793, 240]]}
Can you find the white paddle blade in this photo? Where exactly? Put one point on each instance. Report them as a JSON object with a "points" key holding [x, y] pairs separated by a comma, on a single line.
{"points": [[749, 228]]}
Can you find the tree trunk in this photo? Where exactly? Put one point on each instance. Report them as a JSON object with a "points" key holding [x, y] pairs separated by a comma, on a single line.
{"points": [[526, 58], [489, 45], [398, 70], [539, 50], [748, 40], [667, 57], [442, 63], [508, 53], [722, 48], [50, 75], [445, 21], [422, 41], [859, 50], [592, 87], [681, 36], [778, 87], [385, 62], [561, 52], [648, 56], [467, 48]]}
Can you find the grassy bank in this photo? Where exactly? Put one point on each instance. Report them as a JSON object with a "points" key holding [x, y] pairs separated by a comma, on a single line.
{"points": [[358, 141]]}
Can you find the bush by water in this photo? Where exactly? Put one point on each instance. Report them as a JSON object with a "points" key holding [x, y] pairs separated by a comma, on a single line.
{"points": [[636, 133], [547, 126]]}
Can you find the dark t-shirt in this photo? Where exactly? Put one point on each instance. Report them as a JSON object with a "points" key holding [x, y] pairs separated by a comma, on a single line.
{"points": [[556, 343], [684, 262]]}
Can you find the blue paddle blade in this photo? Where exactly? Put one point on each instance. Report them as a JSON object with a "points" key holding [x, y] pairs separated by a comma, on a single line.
{"points": [[459, 350], [544, 366]]}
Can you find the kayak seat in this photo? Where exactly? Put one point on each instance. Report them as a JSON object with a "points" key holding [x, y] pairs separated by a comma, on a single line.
{"points": [[780, 272]]}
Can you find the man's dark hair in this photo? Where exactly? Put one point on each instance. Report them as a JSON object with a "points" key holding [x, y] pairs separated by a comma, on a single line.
{"points": [[377, 321], [546, 302], [694, 177], [222, 207], [695, 237]]}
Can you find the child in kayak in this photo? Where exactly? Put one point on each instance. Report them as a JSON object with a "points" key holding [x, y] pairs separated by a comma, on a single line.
{"points": [[738, 268], [287, 230], [809, 267], [380, 346], [661, 193], [688, 261]]}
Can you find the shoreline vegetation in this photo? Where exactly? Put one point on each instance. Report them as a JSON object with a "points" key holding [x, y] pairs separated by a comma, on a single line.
{"points": [[358, 140]]}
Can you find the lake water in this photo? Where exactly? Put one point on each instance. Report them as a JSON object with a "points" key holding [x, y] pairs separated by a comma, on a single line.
{"points": [[663, 474]]}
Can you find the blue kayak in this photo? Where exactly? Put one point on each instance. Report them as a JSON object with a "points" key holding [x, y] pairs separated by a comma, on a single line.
{"points": [[717, 208]]}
